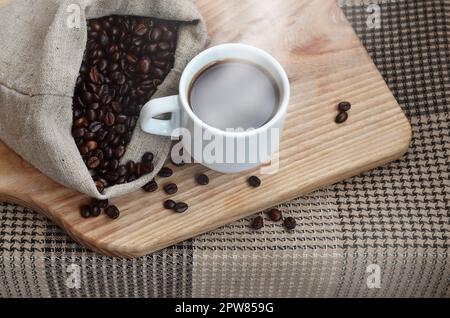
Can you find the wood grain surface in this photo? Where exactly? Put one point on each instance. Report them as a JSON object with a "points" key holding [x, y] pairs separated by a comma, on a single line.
{"points": [[326, 64]]}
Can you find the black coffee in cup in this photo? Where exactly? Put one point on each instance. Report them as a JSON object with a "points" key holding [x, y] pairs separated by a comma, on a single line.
{"points": [[234, 94]]}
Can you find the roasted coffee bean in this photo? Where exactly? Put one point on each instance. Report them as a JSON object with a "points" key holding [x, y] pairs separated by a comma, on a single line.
{"points": [[131, 59], [121, 119], [78, 133], [147, 157], [104, 165], [89, 136], [202, 179], [112, 176], [156, 35], [171, 188], [147, 167], [169, 204], [275, 215], [91, 145], [120, 129], [104, 40], [257, 223], [152, 186], [95, 211], [113, 164], [131, 167], [85, 211], [102, 65], [107, 152], [112, 211], [91, 115], [341, 117], [121, 180], [106, 99], [160, 64], [165, 172], [167, 35], [119, 151], [94, 106], [84, 150], [151, 48], [117, 107], [118, 77], [93, 162], [164, 46], [140, 29], [181, 207], [254, 181], [144, 66], [157, 72], [344, 106], [289, 223], [100, 185], [138, 170], [80, 122], [95, 126], [122, 171], [101, 203], [99, 154], [178, 162], [101, 135]]}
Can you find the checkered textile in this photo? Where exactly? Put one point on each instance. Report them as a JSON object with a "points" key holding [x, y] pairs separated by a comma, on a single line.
{"points": [[396, 217]]}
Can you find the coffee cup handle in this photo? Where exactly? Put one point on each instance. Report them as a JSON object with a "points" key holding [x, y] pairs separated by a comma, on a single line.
{"points": [[158, 107]]}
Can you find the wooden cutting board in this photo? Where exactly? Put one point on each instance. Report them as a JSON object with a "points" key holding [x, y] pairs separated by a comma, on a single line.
{"points": [[326, 64]]}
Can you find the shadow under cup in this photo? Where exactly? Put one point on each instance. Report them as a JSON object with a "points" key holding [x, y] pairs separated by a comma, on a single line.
{"points": [[231, 151]]}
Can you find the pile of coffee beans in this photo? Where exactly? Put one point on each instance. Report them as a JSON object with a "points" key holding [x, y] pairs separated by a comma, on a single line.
{"points": [[126, 59], [274, 215], [343, 109]]}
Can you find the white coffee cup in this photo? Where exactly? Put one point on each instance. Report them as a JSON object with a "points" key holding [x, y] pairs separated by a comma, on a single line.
{"points": [[233, 151]]}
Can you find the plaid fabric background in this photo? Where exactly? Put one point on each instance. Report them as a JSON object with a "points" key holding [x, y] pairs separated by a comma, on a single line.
{"points": [[396, 216]]}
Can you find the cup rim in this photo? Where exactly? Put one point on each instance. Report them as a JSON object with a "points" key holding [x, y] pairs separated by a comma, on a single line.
{"points": [[284, 101]]}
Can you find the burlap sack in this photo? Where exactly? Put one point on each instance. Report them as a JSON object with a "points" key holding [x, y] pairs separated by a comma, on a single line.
{"points": [[40, 57]]}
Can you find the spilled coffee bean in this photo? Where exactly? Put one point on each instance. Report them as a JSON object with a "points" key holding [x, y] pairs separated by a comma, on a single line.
{"points": [[126, 59], [254, 181], [171, 188], [290, 223], [202, 179], [275, 215], [169, 204], [112, 211], [181, 207], [257, 223]]}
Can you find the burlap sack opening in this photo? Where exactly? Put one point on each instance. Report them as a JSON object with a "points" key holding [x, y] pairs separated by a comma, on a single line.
{"points": [[40, 57]]}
